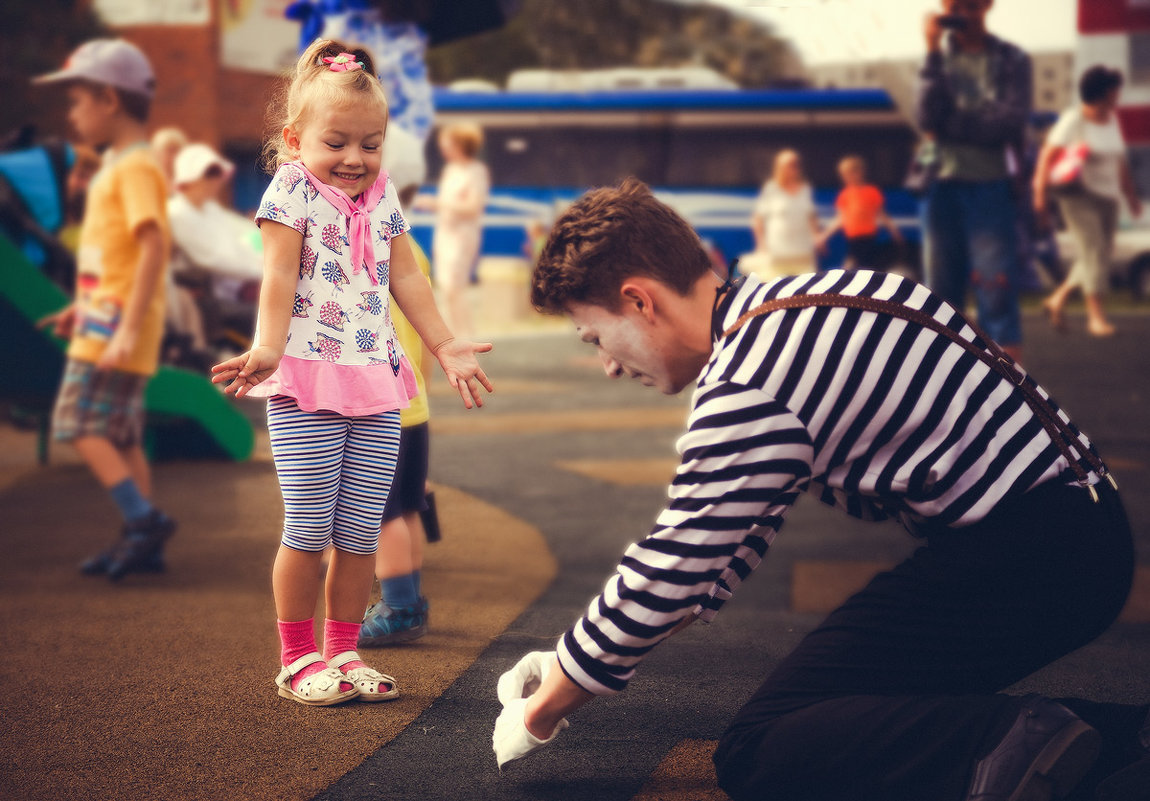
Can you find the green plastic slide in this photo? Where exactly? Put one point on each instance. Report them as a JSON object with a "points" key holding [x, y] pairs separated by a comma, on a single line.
{"points": [[187, 415]]}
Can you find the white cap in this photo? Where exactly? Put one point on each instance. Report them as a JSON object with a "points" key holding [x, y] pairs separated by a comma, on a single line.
{"points": [[113, 62], [403, 158], [194, 160]]}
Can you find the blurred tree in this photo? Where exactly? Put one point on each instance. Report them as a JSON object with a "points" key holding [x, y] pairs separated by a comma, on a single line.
{"points": [[594, 34], [35, 38]]}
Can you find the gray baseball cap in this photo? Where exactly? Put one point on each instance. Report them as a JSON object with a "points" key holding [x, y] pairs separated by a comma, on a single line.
{"points": [[113, 62]]}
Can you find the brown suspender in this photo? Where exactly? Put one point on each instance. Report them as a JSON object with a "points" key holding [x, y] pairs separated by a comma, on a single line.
{"points": [[992, 355]]}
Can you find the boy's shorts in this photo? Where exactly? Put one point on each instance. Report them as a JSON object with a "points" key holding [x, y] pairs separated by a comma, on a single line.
{"points": [[408, 488], [99, 403]]}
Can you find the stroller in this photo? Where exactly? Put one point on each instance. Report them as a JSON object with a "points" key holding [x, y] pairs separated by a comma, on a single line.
{"points": [[33, 196]]}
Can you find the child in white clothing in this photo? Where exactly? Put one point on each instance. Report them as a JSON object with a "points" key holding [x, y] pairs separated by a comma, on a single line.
{"points": [[326, 356]]}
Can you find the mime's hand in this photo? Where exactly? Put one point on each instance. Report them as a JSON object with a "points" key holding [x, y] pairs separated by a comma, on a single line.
{"points": [[512, 739]]}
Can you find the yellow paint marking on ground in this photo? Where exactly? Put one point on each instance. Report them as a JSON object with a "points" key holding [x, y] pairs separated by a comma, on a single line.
{"points": [[624, 472], [685, 774], [564, 421], [1138, 604], [584, 362], [504, 386], [820, 586]]}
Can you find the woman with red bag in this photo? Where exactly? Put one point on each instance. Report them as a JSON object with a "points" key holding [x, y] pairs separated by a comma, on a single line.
{"points": [[1084, 162]]}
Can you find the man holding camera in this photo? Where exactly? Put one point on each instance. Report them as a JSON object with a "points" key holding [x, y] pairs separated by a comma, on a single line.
{"points": [[973, 105]]}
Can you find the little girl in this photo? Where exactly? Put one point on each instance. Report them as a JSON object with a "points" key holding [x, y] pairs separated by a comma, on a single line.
{"points": [[462, 195], [326, 356]]}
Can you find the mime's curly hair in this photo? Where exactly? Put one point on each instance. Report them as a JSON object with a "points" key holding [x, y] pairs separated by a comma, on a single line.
{"points": [[609, 235]]}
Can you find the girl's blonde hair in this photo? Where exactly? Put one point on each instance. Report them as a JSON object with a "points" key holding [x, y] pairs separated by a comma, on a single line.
{"points": [[312, 82], [466, 135], [781, 160]]}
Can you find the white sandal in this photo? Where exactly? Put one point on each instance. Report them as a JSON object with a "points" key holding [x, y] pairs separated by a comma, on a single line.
{"points": [[367, 680], [319, 689]]}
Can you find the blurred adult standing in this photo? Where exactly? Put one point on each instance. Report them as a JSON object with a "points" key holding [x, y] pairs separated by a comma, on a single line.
{"points": [[464, 187], [1088, 132], [973, 105], [215, 252], [784, 224], [166, 145]]}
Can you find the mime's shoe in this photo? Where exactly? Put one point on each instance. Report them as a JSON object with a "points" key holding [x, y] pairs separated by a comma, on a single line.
{"points": [[1042, 757]]}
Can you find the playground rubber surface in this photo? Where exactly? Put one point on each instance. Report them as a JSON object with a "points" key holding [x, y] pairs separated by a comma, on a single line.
{"points": [[161, 687]]}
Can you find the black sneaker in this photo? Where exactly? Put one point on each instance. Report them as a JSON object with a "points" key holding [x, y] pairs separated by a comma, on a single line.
{"points": [[141, 543], [97, 565], [1043, 756]]}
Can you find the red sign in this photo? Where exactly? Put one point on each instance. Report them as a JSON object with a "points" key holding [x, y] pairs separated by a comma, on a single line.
{"points": [[1113, 16]]}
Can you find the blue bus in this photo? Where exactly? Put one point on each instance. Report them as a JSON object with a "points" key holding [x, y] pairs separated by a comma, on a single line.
{"points": [[705, 152]]}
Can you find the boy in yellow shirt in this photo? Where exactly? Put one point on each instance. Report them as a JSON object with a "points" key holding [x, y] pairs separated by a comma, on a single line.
{"points": [[402, 612], [116, 321]]}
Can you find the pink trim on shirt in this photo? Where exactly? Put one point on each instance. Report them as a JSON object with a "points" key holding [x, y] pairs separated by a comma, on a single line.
{"points": [[350, 390]]}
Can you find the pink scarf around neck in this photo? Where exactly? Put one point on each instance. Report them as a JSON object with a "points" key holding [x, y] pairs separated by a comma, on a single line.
{"points": [[358, 213]]}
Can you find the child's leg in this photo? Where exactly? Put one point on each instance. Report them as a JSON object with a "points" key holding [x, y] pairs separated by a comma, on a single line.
{"points": [[400, 544], [307, 449], [139, 468], [365, 481], [104, 459], [393, 564], [116, 469], [348, 586], [295, 583], [417, 539]]}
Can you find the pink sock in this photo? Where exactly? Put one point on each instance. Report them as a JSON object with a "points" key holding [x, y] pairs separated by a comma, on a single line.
{"points": [[339, 637], [297, 638]]}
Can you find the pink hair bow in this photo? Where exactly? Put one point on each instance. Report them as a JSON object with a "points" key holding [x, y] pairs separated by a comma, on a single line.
{"points": [[344, 62]]}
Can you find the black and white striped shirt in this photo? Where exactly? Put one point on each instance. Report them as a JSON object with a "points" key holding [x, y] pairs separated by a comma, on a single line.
{"points": [[871, 413]]}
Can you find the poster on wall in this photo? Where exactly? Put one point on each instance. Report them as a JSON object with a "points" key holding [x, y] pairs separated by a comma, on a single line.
{"points": [[119, 13], [255, 36]]}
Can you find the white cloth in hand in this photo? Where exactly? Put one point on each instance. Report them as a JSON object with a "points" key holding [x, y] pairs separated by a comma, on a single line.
{"points": [[511, 739]]}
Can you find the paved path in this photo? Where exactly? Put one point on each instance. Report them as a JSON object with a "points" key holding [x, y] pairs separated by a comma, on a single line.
{"points": [[106, 696]]}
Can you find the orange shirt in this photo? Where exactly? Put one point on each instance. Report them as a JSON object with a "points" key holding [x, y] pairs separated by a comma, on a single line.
{"points": [[123, 196], [859, 208]]}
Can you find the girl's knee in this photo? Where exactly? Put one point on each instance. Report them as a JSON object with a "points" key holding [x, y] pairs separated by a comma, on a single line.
{"points": [[309, 541], [358, 543]]}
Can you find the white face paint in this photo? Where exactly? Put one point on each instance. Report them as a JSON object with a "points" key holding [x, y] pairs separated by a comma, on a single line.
{"points": [[630, 345]]}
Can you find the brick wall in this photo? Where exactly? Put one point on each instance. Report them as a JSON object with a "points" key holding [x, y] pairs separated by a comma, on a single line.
{"points": [[186, 62]]}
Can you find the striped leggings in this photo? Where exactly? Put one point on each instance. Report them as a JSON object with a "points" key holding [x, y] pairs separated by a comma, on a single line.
{"points": [[335, 473]]}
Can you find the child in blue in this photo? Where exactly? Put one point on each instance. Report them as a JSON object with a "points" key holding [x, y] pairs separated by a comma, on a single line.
{"points": [[326, 356]]}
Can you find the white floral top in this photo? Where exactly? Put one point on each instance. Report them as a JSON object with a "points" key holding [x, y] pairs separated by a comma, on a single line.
{"points": [[342, 353]]}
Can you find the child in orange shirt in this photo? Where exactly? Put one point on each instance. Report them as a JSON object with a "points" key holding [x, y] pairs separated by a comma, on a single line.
{"points": [[860, 213]]}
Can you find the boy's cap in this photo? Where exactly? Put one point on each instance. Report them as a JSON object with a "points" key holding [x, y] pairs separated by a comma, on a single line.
{"points": [[113, 62], [195, 160], [403, 158]]}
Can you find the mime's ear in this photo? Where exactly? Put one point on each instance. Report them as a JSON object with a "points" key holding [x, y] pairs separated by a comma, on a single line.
{"points": [[635, 297]]}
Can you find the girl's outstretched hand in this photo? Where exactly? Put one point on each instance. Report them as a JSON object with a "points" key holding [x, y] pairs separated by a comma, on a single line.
{"points": [[246, 370], [457, 358]]}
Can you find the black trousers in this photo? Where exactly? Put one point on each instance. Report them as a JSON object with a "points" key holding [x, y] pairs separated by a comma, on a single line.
{"points": [[897, 693]]}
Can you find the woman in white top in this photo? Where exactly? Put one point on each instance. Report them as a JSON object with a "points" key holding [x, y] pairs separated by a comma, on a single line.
{"points": [[1090, 208], [785, 224], [463, 189]]}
